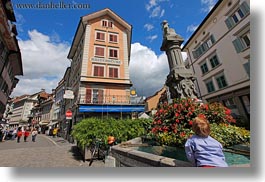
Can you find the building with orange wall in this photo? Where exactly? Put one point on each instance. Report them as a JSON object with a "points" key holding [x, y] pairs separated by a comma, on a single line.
{"points": [[100, 57]]}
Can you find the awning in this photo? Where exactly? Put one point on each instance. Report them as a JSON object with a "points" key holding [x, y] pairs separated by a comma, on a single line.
{"points": [[52, 123], [44, 122], [112, 108]]}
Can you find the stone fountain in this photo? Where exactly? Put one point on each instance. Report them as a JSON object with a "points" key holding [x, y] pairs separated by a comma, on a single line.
{"points": [[180, 80]]}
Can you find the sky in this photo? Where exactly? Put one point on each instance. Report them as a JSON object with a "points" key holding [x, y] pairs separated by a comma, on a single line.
{"points": [[45, 36]]}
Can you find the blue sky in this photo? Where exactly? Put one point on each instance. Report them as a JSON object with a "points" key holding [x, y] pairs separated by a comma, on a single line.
{"points": [[45, 36]]}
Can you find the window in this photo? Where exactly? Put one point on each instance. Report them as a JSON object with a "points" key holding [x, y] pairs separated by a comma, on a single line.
{"points": [[214, 61], [113, 53], [100, 36], [246, 39], [97, 96], [98, 70], [210, 86], [104, 23], [113, 38], [240, 13], [113, 72], [107, 23], [203, 47], [204, 68], [242, 42], [221, 81], [100, 51]]}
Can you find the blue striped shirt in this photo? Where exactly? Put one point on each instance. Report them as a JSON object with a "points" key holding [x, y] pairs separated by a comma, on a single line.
{"points": [[205, 151]]}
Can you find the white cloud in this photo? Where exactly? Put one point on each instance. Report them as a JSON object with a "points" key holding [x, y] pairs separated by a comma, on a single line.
{"points": [[155, 12], [44, 63], [148, 26], [151, 4], [151, 38], [156, 8], [209, 4], [192, 28], [148, 71]]}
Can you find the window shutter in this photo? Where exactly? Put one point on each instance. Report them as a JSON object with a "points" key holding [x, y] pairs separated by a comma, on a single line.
{"points": [[247, 68], [212, 39], [88, 95], [111, 72], [244, 8], [238, 45], [115, 72], [229, 23], [195, 55], [101, 71], [96, 72]]}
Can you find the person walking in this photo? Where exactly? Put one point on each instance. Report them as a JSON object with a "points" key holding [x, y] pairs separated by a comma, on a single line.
{"points": [[26, 134], [19, 134], [34, 134], [14, 134], [201, 149], [54, 132]]}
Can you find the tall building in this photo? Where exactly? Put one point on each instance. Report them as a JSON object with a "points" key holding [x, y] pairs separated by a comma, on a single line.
{"points": [[219, 53], [100, 57], [10, 56]]}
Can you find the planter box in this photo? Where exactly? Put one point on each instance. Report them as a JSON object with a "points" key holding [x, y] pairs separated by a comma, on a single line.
{"points": [[85, 152]]}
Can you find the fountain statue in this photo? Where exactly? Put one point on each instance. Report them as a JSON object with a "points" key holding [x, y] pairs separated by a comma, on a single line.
{"points": [[180, 80]]}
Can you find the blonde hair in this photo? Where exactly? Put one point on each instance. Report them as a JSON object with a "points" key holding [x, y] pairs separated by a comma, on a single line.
{"points": [[201, 127]]}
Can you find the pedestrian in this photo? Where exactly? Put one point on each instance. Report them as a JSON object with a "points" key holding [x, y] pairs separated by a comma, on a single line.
{"points": [[34, 134], [14, 134], [26, 134], [54, 132], [19, 134], [201, 149]]}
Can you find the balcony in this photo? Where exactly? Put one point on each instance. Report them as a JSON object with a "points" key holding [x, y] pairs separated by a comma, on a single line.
{"points": [[105, 99]]}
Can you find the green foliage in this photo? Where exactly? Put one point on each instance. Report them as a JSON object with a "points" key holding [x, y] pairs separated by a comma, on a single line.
{"points": [[229, 135], [88, 129], [172, 123]]}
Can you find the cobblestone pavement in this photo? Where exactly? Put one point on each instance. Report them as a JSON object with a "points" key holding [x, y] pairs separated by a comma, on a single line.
{"points": [[45, 152]]}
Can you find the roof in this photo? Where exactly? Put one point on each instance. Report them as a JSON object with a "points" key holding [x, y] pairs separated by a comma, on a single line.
{"points": [[84, 21]]}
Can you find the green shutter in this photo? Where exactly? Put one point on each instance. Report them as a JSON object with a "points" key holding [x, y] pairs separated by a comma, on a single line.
{"points": [[247, 68], [212, 39], [229, 23], [244, 8], [238, 45]]}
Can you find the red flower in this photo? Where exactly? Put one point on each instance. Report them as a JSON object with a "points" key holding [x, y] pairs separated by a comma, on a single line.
{"points": [[177, 121], [202, 116], [190, 122], [177, 114], [227, 111], [182, 134]]}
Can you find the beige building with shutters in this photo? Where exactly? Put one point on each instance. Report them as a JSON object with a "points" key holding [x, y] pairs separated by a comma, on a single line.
{"points": [[100, 57], [219, 53]]}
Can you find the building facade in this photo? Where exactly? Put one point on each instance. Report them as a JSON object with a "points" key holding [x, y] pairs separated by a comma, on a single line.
{"points": [[100, 56], [219, 53], [10, 55]]}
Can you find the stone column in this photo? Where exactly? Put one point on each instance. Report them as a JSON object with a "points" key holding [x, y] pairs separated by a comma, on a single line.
{"points": [[180, 80]]}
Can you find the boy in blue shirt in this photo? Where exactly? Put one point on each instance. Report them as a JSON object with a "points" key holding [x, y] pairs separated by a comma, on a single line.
{"points": [[201, 149]]}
